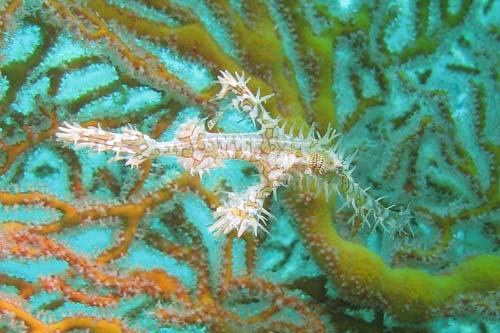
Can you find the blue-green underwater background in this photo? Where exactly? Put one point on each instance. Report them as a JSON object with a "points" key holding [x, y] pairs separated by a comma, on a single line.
{"points": [[414, 86]]}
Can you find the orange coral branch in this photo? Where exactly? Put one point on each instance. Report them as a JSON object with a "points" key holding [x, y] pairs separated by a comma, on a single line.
{"points": [[141, 62], [154, 283], [13, 151], [93, 324], [17, 312]]}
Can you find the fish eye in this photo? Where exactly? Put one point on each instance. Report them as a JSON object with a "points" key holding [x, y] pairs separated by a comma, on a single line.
{"points": [[318, 164]]}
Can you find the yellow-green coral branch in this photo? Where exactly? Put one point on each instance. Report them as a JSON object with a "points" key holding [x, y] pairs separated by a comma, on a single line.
{"points": [[363, 278]]}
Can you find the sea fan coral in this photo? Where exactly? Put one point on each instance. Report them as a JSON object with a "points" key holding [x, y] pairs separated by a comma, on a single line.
{"points": [[91, 245]]}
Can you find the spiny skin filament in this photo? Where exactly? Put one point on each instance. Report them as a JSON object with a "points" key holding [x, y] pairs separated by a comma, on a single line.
{"points": [[280, 157]]}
